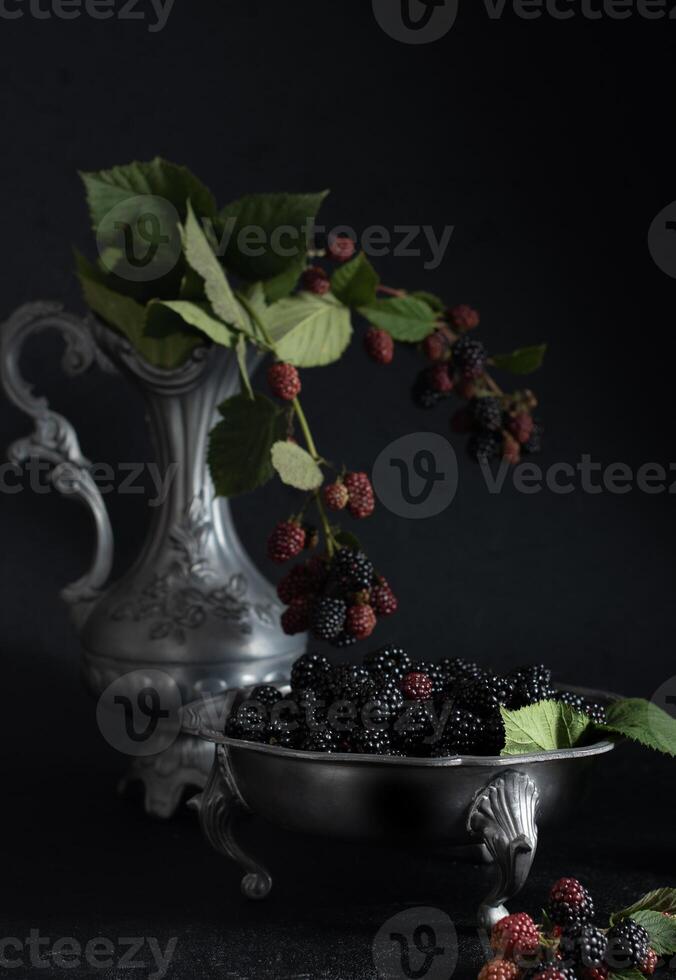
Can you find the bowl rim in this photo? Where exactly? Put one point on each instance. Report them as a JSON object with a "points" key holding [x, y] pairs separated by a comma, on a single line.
{"points": [[192, 723]]}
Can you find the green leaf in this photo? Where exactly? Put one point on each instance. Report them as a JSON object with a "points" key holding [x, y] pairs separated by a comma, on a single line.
{"points": [[644, 722], [522, 361], [355, 282], [240, 350], [542, 727], [660, 900], [199, 315], [405, 318], [348, 540], [661, 929], [631, 974], [309, 330], [254, 307], [269, 214], [282, 285], [240, 445], [434, 302], [202, 259], [106, 189], [295, 466], [171, 349]]}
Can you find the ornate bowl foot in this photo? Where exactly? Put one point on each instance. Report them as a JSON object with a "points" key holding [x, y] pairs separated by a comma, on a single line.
{"points": [[166, 776], [218, 807], [503, 814]]}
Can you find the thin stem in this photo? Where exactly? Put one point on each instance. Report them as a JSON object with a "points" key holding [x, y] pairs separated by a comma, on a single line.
{"points": [[391, 292], [305, 428], [267, 341]]}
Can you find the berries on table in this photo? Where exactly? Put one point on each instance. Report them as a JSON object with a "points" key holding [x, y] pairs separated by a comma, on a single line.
{"points": [[315, 280], [628, 945], [283, 381], [463, 317], [362, 500], [515, 936], [379, 345], [417, 686], [340, 248], [336, 495], [286, 541], [469, 356], [570, 904]]}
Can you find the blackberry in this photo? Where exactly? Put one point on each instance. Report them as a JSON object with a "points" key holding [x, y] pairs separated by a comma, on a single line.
{"points": [[596, 712], [381, 705], [414, 728], [315, 280], [352, 569], [307, 708], [440, 379], [336, 496], [573, 700], [484, 695], [372, 742], [628, 945], [328, 617], [554, 972], [417, 686], [435, 346], [527, 692], [283, 381], [296, 584], [296, 618], [385, 662], [340, 248], [461, 732], [521, 426], [589, 947], [348, 681], [514, 936], [463, 317], [383, 599], [308, 670], [454, 670], [423, 394], [570, 904], [360, 621], [491, 736], [379, 345], [532, 672], [534, 444], [435, 674], [362, 499], [470, 357], [266, 694], [499, 969], [343, 640], [321, 740], [250, 722], [484, 446], [399, 657], [511, 450], [286, 541], [487, 413]]}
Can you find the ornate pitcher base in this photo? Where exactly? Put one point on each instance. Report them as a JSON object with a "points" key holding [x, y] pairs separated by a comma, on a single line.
{"points": [[165, 777]]}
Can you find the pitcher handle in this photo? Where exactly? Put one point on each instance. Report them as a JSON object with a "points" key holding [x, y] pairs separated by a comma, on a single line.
{"points": [[53, 438]]}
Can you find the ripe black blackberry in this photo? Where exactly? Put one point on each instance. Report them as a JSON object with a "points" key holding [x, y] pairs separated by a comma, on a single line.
{"points": [[461, 732], [307, 706], [484, 446], [484, 695], [414, 729], [321, 740], [491, 736], [596, 712], [343, 640], [570, 904], [589, 947], [487, 413], [374, 742], [390, 661], [284, 736], [573, 700], [351, 570], [248, 722], [308, 670], [348, 681], [469, 356], [628, 945], [536, 673], [455, 670], [381, 704], [531, 691], [328, 617], [266, 694]]}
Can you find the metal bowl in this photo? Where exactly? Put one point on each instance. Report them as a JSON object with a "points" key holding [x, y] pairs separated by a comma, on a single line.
{"points": [[487, 808]]}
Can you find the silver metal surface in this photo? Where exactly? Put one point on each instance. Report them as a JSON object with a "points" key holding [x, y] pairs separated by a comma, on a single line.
{"points": [[493, 802], [193, 604]]}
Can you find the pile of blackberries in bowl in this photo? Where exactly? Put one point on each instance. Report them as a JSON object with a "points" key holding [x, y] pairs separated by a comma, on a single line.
{"points": [[392, 705]]}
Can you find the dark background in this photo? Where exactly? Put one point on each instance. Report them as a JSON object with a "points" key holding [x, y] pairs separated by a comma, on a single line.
{"points": [[548, 145]]}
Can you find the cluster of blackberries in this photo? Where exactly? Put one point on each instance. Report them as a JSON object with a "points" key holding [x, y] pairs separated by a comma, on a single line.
{"points": [[391, 705], [315, 279], [339, 599], [569, 945]]}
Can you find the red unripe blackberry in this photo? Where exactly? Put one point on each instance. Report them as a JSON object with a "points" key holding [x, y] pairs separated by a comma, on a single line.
{"points": [[383, 599], [515, 935], [362, 501], [521, 426], [286, 541], [439, 379], [596, 972], [360, 621], [340, 248], [435, 346], [284, 381], [379, 345], [499, 970], [555, 973], [650, 963], [296, 583], [463, 317], [570, 904], [511, 450], [336, 496], [315, 280], [296, 618], [416, 686]]}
